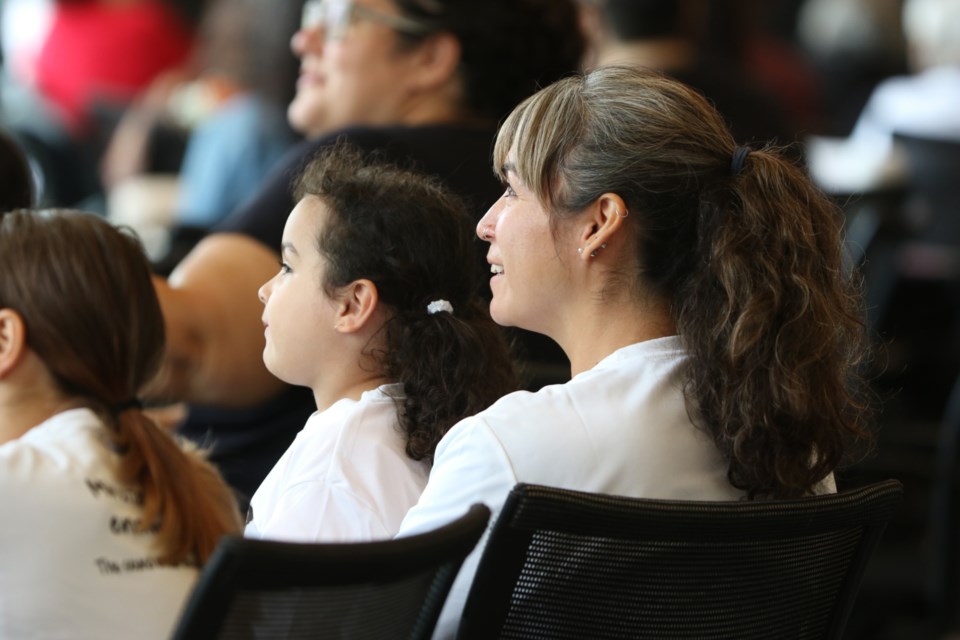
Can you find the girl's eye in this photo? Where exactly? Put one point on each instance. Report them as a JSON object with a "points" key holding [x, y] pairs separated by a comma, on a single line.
{"points": [[509, 192], [285, 268]]}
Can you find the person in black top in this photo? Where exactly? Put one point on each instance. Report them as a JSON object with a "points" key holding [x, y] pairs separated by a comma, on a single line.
{"points": [[16, 178], [671, 36], [424, 82]]}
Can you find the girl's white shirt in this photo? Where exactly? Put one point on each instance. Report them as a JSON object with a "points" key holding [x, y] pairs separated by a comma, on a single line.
{"points": [[71, 563], [346, 477]]}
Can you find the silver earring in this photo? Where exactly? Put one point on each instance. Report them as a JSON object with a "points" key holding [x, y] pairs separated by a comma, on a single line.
{"points": [[580, 251]]}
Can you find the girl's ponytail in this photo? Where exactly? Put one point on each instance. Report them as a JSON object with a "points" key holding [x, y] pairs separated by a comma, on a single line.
{"points": [[185, 500], [452, 364]]}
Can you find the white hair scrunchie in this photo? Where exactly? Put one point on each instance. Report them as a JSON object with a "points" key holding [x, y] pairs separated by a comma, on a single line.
{"points": [[439, 305]]}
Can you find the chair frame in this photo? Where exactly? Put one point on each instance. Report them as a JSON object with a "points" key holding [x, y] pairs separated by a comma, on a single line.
{"points": [[533, 508], [239, 564]]}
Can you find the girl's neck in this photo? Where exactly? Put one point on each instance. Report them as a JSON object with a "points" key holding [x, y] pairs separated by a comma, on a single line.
{"points": [[29, 396], [19, 415], [326, 397]]}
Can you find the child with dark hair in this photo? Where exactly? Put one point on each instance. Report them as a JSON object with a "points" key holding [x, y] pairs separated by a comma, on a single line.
{"points": [[375, 309], [106, 518]]}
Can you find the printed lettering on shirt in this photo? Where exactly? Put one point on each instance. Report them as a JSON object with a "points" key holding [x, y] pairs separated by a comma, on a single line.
{"points": [[118, 566], [99, 487]]}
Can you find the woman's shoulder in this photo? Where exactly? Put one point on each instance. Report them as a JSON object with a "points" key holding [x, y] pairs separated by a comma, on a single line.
{"points": [[639, 375]]}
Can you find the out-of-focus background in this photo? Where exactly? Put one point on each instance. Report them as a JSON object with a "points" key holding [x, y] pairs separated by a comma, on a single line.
{"points": [[165, 114]]}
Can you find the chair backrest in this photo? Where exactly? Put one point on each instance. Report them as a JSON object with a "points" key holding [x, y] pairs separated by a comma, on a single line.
{"points": [[932, 164], [933, 186], [567, 564], [944, 527], [386, 589]]}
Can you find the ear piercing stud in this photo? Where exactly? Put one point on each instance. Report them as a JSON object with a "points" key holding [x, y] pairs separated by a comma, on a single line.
{"points": [[593, 254]]}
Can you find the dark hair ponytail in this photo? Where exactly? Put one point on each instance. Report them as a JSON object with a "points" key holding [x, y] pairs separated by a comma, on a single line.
{"points": [[451, 365], [414, 240], [775, 324]]}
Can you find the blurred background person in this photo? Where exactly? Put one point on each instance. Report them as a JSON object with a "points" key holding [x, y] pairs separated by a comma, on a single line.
{"points": [[85, 62], [422, 82], [853, 45], [692, 41], [922, 103], [229, 116]]}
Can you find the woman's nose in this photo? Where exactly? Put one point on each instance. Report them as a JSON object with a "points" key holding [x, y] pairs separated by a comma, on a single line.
{"points": [[307, 40], [485, 227]]}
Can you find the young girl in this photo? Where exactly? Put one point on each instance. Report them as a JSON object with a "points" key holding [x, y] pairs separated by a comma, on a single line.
{"points": [[105, 517], [374, 309]]}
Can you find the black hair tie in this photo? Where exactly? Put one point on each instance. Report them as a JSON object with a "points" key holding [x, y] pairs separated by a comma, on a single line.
{"points": [[736, 163], [126, 405]]}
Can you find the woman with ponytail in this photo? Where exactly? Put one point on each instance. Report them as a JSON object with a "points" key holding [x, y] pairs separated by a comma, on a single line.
{"points": [[374, 309], [698, 289], [105, 518]]}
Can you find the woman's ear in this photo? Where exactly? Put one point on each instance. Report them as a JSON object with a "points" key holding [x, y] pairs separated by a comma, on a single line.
{"points": [[13, 340], [437, 59], [602, 225], [357, 302]]}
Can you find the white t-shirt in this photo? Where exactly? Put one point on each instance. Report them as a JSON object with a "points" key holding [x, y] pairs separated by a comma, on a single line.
{"points": [[620, 428], [70, 566], [346, 477]]}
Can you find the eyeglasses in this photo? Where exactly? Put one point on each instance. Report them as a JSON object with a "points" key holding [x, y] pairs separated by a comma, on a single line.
{"points": [[336, 16]]}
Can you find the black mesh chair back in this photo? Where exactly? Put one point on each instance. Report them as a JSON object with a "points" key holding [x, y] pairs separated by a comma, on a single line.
{"points": [[944, 563], [566, 564], [933, 184], [387, 589]]}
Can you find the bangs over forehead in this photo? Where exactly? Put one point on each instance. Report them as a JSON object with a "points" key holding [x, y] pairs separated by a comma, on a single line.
{"points": [[544, 132]]}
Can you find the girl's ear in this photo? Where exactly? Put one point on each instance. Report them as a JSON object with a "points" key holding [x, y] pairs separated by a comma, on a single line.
{"points": [[357, 303], [13, 340]]}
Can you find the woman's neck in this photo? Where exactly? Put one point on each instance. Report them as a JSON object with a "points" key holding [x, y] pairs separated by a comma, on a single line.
{"points": [[599, 330]]}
